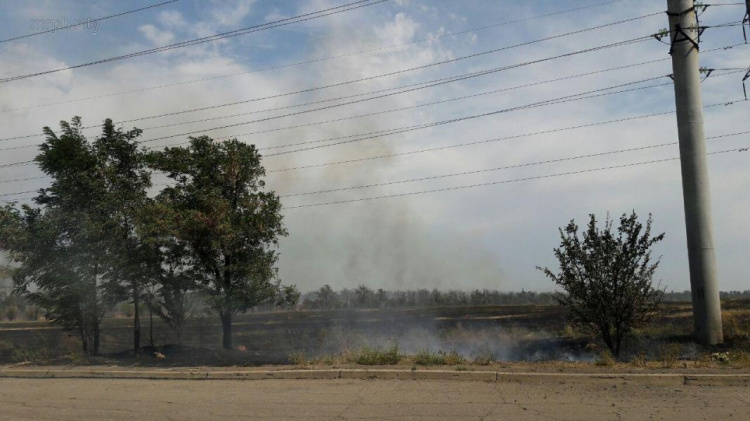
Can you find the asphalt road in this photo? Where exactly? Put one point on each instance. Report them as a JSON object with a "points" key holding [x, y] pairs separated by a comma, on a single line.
{"points": [[99, 399]]}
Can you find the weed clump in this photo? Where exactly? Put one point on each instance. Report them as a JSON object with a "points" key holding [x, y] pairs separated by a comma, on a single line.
{"points": [[297, 358], [427, 358], [605, 359], [669, 354], [639, 360], [369, 356]]}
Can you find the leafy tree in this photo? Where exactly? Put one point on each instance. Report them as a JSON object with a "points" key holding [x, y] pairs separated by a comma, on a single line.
{"points": [[327, 298], [122, 166], [607, 277], [60, 249], [75, 251], [228, 225]]}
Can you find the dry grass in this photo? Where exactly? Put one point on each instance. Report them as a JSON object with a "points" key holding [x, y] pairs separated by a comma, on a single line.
{"points": [[669, 354], [427, 358], [605, 359]]}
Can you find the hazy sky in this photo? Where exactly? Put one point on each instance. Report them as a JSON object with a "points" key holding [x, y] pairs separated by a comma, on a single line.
{"points": [[482, 237]]}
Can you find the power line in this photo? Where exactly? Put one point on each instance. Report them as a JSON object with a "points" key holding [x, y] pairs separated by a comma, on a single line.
{"points": [[421, 126], [553, 101], [360, 115], [307, 111], [506, 167], [21, 179], [86, 22], [517, 180], [621, 43], [255, 28], [435, 177], [422, 85], [497, 139], [389, 132], [406, 89], [565, 99], [449, 34]]}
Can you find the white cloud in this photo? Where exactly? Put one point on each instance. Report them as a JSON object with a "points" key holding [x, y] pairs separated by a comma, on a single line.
{"points": [[155, 35], [483, 237], [232, 12], [172, 19]]}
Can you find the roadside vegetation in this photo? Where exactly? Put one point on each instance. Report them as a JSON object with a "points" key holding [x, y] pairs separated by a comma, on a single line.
{"points": [[96, 238]]}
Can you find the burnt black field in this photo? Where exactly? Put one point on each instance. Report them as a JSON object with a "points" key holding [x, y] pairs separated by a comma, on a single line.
{"points": [[500, 333]]}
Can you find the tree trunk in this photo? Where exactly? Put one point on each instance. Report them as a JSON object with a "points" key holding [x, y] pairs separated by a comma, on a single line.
{"points": [[608, 341], [95, 351], [151, 325], [226, 326], [84, 340], [136, 320]]}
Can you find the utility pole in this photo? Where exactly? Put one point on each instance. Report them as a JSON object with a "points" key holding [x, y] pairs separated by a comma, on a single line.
{"points": [[696, 193]]}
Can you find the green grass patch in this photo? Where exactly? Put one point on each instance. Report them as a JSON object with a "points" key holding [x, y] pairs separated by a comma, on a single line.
{"points": [[370, 356]]}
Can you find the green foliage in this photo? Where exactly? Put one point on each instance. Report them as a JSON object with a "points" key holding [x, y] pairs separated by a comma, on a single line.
{"points": [[71, 250], [607, 277], [388, 356], [11, 312], [225, 224]]}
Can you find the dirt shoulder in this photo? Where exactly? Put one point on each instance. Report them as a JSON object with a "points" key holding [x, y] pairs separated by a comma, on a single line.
{"points": [[682, 368]]}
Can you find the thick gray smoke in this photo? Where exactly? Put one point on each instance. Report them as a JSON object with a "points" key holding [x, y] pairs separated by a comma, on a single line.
{"points": [[384, 243]]}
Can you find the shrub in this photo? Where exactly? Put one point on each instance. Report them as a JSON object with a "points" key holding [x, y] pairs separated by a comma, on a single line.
{"points": [[607, 277], [11, 313]]}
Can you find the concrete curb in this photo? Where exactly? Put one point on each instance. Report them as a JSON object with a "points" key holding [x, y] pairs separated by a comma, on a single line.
{"points": [[362, 374]]}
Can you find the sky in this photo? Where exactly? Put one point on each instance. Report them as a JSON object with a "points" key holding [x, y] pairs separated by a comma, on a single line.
{"points": [[492, 236]]}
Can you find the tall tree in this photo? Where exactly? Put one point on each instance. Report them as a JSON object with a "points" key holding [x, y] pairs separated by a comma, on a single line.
{"points": [[229, 225], [122, 166], [78, 251], [71, 249], [607, 277]]}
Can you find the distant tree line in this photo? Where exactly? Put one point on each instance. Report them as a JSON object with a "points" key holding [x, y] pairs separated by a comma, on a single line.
{"points": [[363, 297], [98, 235]]}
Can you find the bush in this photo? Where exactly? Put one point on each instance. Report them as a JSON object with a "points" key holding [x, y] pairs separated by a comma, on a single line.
{"points": [[11, 313], [607, 277]]}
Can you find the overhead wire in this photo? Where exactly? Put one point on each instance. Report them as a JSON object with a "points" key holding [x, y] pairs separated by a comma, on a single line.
{"points": [[88, 21], [393, 73], [243, 31], [507, 167], [497, 139], [492, 183], [432, 38]]}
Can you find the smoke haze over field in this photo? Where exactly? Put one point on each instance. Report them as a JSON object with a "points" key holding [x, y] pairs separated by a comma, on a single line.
{"points": [[486, 237]]}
